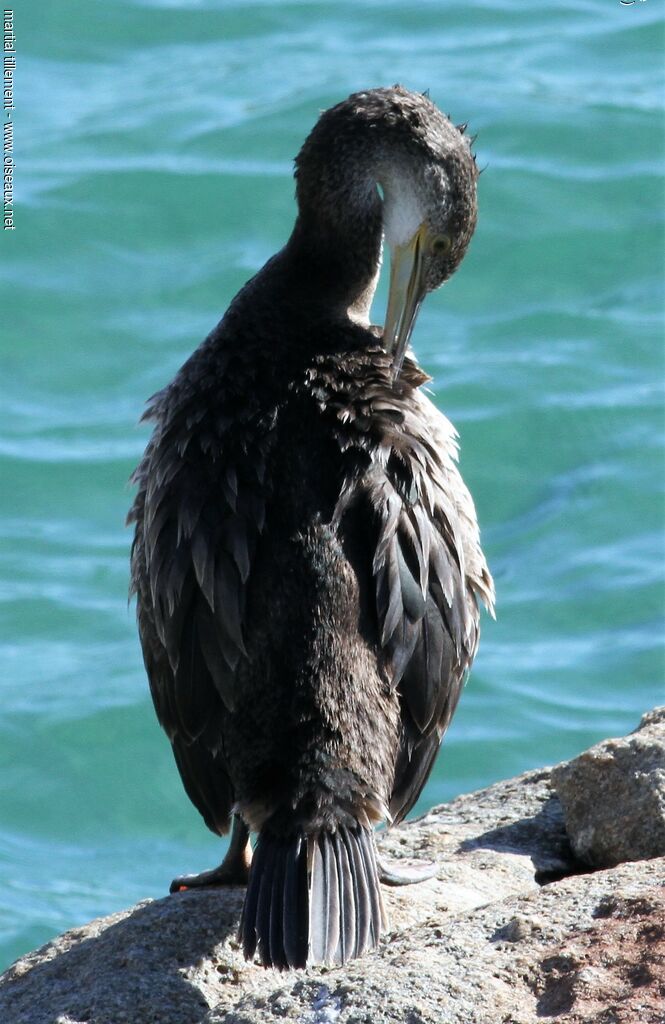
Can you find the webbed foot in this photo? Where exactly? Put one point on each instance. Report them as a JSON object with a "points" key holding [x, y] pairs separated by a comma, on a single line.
{"points": [[234, 869], [406, 872]]}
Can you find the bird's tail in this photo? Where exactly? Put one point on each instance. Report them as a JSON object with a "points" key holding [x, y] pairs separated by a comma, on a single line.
{"points": [[312, 898]]}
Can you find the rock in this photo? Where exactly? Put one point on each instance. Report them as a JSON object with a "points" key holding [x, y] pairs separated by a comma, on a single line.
{"points": [[613, 796], [508, 933]]}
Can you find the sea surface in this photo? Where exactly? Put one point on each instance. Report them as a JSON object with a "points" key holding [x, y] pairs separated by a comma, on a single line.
{"points": [[153, 149]]}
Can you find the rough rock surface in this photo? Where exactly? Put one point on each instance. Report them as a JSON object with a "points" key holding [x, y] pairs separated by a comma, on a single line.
{"points": [[613, 796], [510, 932]]}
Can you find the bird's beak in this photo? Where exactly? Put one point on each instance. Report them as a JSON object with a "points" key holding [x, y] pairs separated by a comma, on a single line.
{"points": [[407, 291]]}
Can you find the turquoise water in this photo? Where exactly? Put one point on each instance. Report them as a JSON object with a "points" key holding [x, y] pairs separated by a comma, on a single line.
{"points": [[153, 143]]}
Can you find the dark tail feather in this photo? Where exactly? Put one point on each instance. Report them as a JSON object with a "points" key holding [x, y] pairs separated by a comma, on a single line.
{"points": [[312, 899]]}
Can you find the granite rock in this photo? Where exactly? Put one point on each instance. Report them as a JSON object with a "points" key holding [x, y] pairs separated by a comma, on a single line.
{"points": [[509, 932], [613, 796]]}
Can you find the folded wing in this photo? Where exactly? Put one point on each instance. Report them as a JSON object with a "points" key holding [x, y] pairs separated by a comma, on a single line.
{"points": [[199, 511]]}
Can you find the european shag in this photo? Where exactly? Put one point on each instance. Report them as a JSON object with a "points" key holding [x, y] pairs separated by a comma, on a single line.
{"points": [[306, 557]]}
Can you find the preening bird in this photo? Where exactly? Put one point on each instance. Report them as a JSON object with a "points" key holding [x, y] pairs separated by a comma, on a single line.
{"points": [[306, 558]]}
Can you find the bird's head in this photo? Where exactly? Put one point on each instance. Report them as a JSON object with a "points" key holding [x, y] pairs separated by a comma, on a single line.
{"points": [[426, 175], [430, 208]]}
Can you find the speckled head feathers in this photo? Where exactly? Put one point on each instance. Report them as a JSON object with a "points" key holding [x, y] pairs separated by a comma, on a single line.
{"points": [[401, 141]]}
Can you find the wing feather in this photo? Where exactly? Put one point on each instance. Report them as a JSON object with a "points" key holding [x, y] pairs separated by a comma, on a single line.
{"points": [[197, 523], [427, 568]]}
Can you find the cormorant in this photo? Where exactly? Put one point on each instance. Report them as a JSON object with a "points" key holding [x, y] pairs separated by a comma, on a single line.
{"points": [[306, 556]]}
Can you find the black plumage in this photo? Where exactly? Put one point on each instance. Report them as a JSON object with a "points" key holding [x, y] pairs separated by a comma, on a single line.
{"points": [[306, 556]]}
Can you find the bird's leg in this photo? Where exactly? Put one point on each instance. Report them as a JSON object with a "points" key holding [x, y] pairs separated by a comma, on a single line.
{"points": [[234, 869], [392, 873]]}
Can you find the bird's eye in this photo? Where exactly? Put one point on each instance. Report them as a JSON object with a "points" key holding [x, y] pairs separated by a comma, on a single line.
{"points": [[440, 245]]}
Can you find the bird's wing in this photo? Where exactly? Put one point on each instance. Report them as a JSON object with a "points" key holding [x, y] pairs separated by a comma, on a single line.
{"points": [[199, 511], [429, 570], [427, 567]]}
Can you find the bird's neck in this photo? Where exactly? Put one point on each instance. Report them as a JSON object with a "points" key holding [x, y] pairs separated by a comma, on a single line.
{"points": [[336, 244]]}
